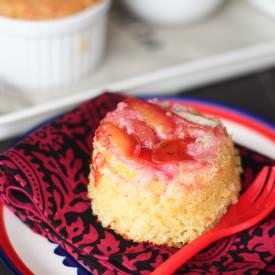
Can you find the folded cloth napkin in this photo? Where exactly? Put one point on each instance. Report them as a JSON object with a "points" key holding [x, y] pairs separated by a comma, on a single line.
{"points": [[43, 180]]}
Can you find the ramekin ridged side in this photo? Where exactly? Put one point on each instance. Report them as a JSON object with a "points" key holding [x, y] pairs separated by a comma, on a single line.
{"points": [[52, 54]]}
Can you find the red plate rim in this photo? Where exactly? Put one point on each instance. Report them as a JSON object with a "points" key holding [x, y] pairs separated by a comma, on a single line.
{"points": [[8, 248]]}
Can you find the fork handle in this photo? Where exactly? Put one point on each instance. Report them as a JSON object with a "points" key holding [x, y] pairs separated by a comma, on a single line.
{"points": [[185, 253]]}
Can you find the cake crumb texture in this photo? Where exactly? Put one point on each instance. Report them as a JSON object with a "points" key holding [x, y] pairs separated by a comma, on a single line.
{"points": [[163, 176], [175, 218]]}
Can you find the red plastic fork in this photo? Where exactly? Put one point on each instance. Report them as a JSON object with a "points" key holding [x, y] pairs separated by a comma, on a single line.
{"points": [[253, 206]]}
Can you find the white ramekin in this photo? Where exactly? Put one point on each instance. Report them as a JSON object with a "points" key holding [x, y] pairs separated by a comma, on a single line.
{"points": [[171, 12], [267, 6], [51, 54]]}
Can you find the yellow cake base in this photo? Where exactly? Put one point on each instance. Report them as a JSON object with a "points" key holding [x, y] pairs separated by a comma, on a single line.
{"points": [[160, 212]]}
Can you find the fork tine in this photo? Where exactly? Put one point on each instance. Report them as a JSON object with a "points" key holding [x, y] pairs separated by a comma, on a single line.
{"points": [[270, 200], [268, 190], [256, 186]]}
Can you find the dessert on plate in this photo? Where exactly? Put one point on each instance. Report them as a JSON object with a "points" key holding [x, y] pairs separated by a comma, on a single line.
{"points": [[42, 9], [161, 172]]}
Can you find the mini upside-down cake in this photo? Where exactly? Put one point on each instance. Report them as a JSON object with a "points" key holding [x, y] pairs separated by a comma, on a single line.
{"points": [[162, 172]]}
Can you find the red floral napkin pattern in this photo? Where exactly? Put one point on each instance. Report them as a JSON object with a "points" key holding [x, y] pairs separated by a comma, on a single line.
{"points": [[43, 180]]}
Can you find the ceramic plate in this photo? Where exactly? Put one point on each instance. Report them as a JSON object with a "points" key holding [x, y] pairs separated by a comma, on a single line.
{"points": [[26, 252]]}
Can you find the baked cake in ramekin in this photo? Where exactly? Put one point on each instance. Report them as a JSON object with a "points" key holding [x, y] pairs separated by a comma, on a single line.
{"points": [[162, 172], [50, 46]]}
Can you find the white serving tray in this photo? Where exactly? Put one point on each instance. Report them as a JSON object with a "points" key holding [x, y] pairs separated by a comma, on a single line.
{"points": [[145, 59]]}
